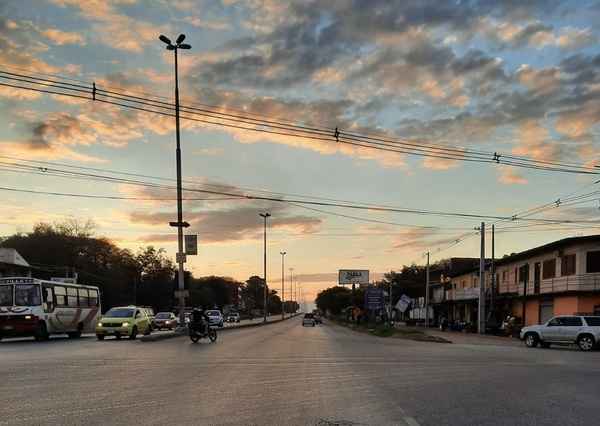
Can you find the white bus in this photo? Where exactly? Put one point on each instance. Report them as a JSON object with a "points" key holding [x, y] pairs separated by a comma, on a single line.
{"points": [[38, 308]]}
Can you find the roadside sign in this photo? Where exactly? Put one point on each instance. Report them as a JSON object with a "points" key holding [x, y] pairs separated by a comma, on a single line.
{"points": [[191, 244], [182, 293], [373, 298], [357, 311], [353, 276], [180, 258], [403, 303]]}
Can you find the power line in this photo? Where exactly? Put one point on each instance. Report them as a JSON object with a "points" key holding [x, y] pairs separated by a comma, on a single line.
{"points": [[264, 124]]}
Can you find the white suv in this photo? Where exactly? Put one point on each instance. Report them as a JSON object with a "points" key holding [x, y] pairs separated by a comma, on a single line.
{"points": [[580, 330]]}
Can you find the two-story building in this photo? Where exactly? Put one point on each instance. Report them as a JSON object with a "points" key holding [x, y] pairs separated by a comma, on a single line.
{"points": [[562, 277]]}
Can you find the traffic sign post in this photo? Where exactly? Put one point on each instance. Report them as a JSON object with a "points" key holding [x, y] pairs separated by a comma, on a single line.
{"points": [[182, 293]]}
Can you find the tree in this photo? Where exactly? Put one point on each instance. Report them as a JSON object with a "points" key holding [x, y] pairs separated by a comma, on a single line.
{"points": [[254, 292], [69, 247], [153, 280], [212, 292], [335, 299]]}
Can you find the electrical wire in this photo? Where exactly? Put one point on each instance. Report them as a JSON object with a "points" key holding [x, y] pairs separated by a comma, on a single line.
{"points": [[252, 122]]}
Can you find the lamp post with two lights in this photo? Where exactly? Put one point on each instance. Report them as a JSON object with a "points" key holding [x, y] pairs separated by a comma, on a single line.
{"points": [[180, 224]]}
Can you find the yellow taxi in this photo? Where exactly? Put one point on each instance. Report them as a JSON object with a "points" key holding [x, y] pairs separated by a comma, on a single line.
{"points": [[124, 321]]}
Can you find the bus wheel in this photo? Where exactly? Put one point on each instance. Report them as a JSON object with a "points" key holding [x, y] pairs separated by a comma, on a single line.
{"points": [[76, 334], [40, 332]]}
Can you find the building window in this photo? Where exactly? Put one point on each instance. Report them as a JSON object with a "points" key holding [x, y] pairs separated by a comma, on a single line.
{"points": [[567, 265], [464, 284], [523, 270], [593, 262], [549, 269], [504, 276]]}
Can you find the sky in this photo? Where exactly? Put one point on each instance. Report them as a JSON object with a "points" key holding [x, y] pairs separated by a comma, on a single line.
{"points": [[376, 134]]}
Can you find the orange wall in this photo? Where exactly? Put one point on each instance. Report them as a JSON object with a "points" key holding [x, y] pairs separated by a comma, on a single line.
{"points": [[563, 305]]}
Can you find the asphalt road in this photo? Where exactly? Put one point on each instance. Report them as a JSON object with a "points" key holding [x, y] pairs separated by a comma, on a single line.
{"points": [[285, 374]]}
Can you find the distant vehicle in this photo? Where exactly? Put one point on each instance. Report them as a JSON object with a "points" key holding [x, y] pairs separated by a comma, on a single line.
{"points": [[124, 321], [215, 317], [186, 319], [150, 312], [580, 330], [165, 320], [233, 317], [38, 308], [309, 319]]}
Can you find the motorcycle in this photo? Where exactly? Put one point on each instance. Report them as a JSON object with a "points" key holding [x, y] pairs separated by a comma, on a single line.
{"points": [[197, 333]]}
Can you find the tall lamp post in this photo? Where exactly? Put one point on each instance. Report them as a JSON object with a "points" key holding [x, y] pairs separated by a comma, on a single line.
{"points": [[180, 224], [282, 253], [291, 293], [265, 216]]}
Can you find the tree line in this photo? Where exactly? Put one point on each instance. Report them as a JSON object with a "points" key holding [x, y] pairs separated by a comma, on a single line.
{"points": [[410, 281], [144, 278]]}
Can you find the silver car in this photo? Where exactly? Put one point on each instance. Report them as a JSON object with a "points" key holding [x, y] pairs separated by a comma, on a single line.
{"points": [[215, 317], [580, 330], [309, 319]]}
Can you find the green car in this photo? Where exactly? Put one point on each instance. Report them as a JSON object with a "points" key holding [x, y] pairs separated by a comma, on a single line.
{"points": [[124, 321]]}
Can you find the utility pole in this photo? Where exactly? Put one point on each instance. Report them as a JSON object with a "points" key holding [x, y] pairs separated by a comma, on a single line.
{"points": [[492, 278], [427, 294], [481, 327]]}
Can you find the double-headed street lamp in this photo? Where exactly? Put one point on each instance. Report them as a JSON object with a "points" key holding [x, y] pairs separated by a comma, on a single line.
{"points": [[265, 216], [180, 224], [282, 253]]}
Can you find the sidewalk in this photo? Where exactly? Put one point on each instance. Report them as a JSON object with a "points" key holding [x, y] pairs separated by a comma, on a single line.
{"points": [[471, 338]]}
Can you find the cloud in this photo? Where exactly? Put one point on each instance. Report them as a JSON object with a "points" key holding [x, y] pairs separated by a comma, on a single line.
{"points": [[61, 37], [511, 176], [575, 38]]}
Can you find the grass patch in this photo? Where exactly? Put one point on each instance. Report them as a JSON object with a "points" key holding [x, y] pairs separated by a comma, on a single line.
{"points": [[382, 330]]}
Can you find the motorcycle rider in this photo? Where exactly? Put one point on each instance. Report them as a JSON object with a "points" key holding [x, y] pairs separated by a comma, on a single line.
{"points": [[199, 320]]}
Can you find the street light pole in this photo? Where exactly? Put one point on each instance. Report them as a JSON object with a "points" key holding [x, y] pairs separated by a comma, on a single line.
{"points": [[180, 224], [265, 216], [291, 293], [282, 253]]}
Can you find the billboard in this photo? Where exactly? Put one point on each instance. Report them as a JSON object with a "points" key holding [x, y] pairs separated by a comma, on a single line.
{"points": [[353, 276]]}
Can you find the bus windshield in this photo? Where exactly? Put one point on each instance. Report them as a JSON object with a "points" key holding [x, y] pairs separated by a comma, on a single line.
{"points": [[27, 295], [6, 295]]}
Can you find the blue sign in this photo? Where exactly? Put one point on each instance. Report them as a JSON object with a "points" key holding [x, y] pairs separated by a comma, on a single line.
{"points": [[373, 298]]}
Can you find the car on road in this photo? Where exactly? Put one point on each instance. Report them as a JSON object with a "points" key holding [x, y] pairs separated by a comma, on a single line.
{"points": [[150, 312], [580, 330], [124, 321], [165, 320], [186, 319], [233, 317], [309, 319], [215, 317]]}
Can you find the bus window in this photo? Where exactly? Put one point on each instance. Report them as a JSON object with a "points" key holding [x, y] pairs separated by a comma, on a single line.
{"points": [[27, 295], [72, 296], [94, 301], [48, 294], [61, 296], [6, 296], [83, 298]]}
